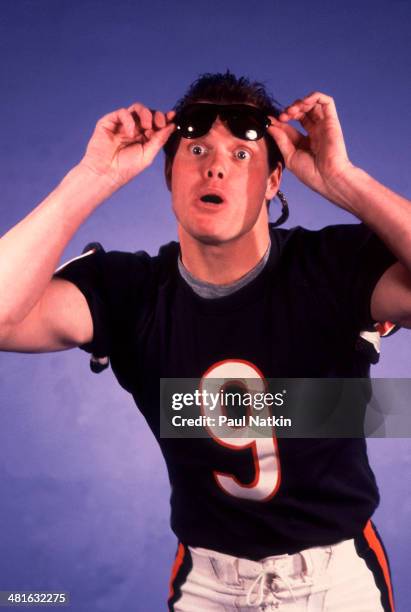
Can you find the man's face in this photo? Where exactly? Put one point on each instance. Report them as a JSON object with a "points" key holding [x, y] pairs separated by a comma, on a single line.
{"points": [[233, 170]]}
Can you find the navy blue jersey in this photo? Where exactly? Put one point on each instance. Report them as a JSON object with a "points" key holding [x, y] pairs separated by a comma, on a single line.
{"points": [[300, 317]]}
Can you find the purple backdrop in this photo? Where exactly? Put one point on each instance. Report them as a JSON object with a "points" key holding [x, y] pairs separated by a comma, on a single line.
{"points": [[84, 504]]}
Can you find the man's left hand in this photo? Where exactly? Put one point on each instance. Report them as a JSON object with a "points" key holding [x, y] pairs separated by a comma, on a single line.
{"points": [[318, 158]]}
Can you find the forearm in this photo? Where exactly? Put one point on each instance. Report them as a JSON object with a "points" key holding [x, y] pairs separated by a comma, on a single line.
{"points": [[385, 212], [30, 251]]}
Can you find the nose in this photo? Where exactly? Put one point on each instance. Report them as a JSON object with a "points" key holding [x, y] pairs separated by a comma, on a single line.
{"points": [[215, 167], [218, 173]]}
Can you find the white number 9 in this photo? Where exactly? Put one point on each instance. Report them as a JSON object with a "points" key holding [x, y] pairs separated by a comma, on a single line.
{"points": [[264, 450]]}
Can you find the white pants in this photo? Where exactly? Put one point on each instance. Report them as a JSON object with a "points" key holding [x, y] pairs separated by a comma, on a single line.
{"points": [[326, 578]]}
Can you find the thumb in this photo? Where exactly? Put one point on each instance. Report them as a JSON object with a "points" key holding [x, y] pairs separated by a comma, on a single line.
{"points": [[283, 141], [157, 140]]}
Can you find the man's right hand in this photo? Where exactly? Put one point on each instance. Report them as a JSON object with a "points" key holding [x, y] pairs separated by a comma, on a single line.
{"points": [[126, 141]]}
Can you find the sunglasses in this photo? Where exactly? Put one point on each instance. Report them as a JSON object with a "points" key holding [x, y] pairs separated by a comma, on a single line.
{"points": [[244, 121]]}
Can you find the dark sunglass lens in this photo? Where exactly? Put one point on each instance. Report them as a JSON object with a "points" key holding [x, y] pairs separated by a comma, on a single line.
{"points": [[246, 128], [194, 123], [247, 124]]}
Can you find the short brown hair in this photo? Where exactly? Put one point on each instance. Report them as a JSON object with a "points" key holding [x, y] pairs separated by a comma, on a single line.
{"points": [[226, 88]]}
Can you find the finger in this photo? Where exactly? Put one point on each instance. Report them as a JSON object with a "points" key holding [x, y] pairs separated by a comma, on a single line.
{"points": [[288, 139], [146, 118], [157, 140], [316, 113], [319, 106], [170, 115], [308, 113], [276, 127], [136, 107], [283, 141], [127, 122], [159, 119], [117, 120], [310, 118], [316, 97], [142, 115], [290, 111], [308, 122]]}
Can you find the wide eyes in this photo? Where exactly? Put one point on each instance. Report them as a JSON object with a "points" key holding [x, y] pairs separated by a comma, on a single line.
{"points": [[199, 150], [242, 154]]}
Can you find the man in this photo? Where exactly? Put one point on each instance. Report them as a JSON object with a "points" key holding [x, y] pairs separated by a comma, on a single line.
{"points": [[283, 525]]}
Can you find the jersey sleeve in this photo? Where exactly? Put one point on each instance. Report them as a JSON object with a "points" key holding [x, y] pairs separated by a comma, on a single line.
{"points": [[113, 285], [356, 259]]}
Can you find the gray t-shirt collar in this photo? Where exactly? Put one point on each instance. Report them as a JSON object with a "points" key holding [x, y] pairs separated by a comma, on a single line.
{"points": [[210, 290]]}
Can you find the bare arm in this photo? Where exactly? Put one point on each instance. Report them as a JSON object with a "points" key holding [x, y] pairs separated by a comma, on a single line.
{"points": [[60, 320], [29, 254], [38, 313]]}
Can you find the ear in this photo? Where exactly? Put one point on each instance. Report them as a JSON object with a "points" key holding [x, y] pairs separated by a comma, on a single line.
{"points": [[273, 182], [167, 172]]}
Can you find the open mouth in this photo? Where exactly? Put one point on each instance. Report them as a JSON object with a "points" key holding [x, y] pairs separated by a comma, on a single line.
{"points": [[212, 197]]}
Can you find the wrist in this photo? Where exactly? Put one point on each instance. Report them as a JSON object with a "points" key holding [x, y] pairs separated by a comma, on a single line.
{"points": [[78, 194], [347, 187], [101, 181]]}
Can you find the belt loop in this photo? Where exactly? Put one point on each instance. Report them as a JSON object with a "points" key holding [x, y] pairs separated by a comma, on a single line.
{"points": [[226, 569], [308, 561], [317, 559]]}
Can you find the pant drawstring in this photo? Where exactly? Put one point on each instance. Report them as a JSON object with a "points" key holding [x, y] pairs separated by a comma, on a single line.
{"points": [[260, 581]]}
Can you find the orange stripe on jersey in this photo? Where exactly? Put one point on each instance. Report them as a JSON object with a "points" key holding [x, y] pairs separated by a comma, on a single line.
{"points": [[176, 567], [384, 328], [375, 545]]}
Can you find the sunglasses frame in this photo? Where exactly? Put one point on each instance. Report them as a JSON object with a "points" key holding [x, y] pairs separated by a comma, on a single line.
{"points": [[225, 112]]}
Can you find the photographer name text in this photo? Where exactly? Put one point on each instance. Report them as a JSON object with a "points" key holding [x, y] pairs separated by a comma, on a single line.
{"points": [[222, 420]]}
